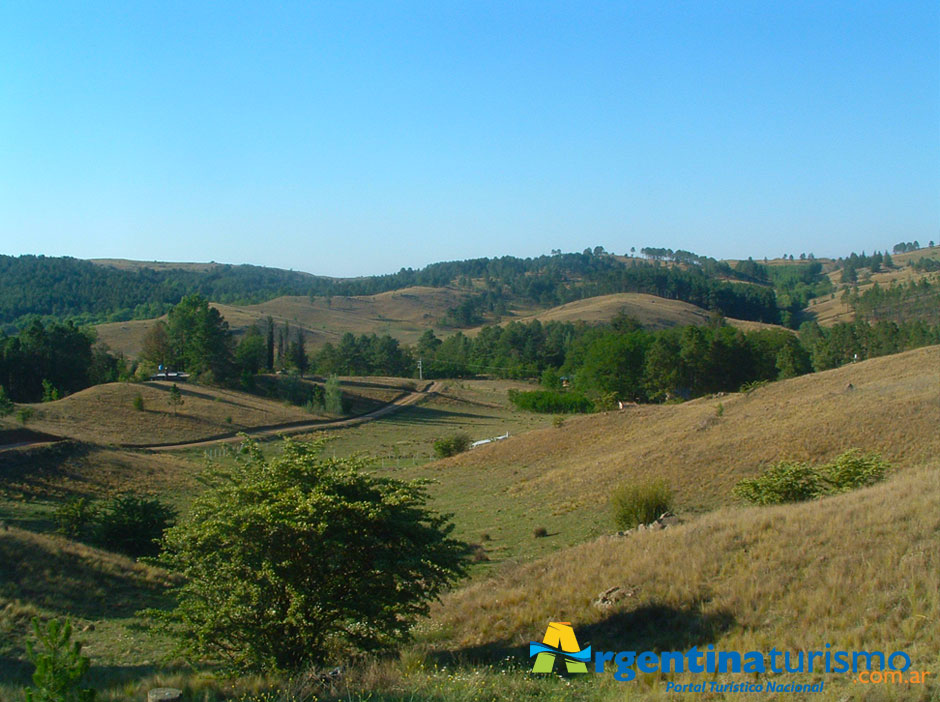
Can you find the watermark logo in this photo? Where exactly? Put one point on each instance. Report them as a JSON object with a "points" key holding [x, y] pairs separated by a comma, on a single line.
{"points": [[559, 641]]}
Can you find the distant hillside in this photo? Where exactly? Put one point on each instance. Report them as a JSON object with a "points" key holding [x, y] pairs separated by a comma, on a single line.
{"points": [[403, 314], [89, 292], [649, 310], [114, 290]]}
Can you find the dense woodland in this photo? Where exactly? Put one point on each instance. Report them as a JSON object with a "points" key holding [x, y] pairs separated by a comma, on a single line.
{"points": [[84, 292]]}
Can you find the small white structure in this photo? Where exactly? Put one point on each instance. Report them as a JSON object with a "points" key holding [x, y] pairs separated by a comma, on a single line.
{"points": [[488, 441]]}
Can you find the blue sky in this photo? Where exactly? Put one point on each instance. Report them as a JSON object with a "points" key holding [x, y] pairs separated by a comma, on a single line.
{"points": [[352, 138]]}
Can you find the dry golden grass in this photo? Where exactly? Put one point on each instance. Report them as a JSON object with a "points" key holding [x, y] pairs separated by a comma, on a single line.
{"points": [[104, 414], [69, 469], [404, 314], [858, 571], [561, 478], [828, 311], [651, 311]]}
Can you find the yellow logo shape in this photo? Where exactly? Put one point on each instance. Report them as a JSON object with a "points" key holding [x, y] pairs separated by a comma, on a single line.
{"points": [[559, 636]]}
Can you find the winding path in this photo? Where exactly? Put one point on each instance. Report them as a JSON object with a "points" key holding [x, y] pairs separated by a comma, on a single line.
{"points": [[398, 403]]}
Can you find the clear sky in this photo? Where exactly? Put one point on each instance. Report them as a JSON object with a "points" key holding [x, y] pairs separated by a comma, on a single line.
{"points": [[349, 138]]}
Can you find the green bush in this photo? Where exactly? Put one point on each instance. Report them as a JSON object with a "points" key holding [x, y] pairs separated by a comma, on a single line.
{"points": [[452, 445], [60, 665], [640, 503], [550, 401], [74, 516], [786, 481], [139, 402], [49, 392], [292, 559], [24, 414], [792, 481], [854, 469], [134, 525]]}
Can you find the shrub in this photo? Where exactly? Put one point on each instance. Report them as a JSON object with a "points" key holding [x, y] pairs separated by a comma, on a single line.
{"points": [[540, 532], [24, 414], [60, 665], [74, 516], [289, 559], [478, 553], [790, 481], [550, 401], [49, 391], [854, 469], [134, 525], [139, 402], [786, 481], [640, 503], [451, 446], [558, 421]]}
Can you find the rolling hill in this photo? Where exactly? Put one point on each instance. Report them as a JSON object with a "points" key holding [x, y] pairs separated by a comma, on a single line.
{"points": [[561, 478], [403, 314], [105, 414]]}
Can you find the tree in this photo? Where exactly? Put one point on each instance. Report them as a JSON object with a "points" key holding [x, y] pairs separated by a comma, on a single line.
{"points": [[60, 665], [298, 353], [269, 360], [290, 558], [156, 345], [251, 354], [199, 338], [175, 398]]}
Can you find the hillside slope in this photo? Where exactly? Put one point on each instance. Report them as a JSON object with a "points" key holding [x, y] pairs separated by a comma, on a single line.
{"points": [[403, 314], [651, 311], [561, 478], [857, 571]]}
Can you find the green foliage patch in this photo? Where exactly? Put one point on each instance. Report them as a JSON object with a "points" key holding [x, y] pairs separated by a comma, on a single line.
{"points": [[640, 503], [289, 560], [794, 481], [550, 401]]}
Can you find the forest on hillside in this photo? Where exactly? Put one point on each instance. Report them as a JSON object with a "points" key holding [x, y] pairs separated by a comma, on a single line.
{"points": [[69, 289]]}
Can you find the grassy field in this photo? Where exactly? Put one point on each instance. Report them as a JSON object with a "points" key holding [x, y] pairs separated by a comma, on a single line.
{"points": [[651, 311], [560, 478], [855, 570], [106, 414], [403, 314]]}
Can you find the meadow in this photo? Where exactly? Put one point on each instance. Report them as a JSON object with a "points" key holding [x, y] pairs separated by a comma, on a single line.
{"points": [[854, 570]]}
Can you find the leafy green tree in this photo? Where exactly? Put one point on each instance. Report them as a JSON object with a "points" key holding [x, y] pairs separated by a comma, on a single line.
{"points": [[175, 398], [199, 338], [289, 559], [298, 353], [156, 347], [333, 396], [60, 665], [251, 354]]}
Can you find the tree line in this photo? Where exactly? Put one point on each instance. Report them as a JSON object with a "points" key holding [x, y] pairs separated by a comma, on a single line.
{"points": [[49, 361]]}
